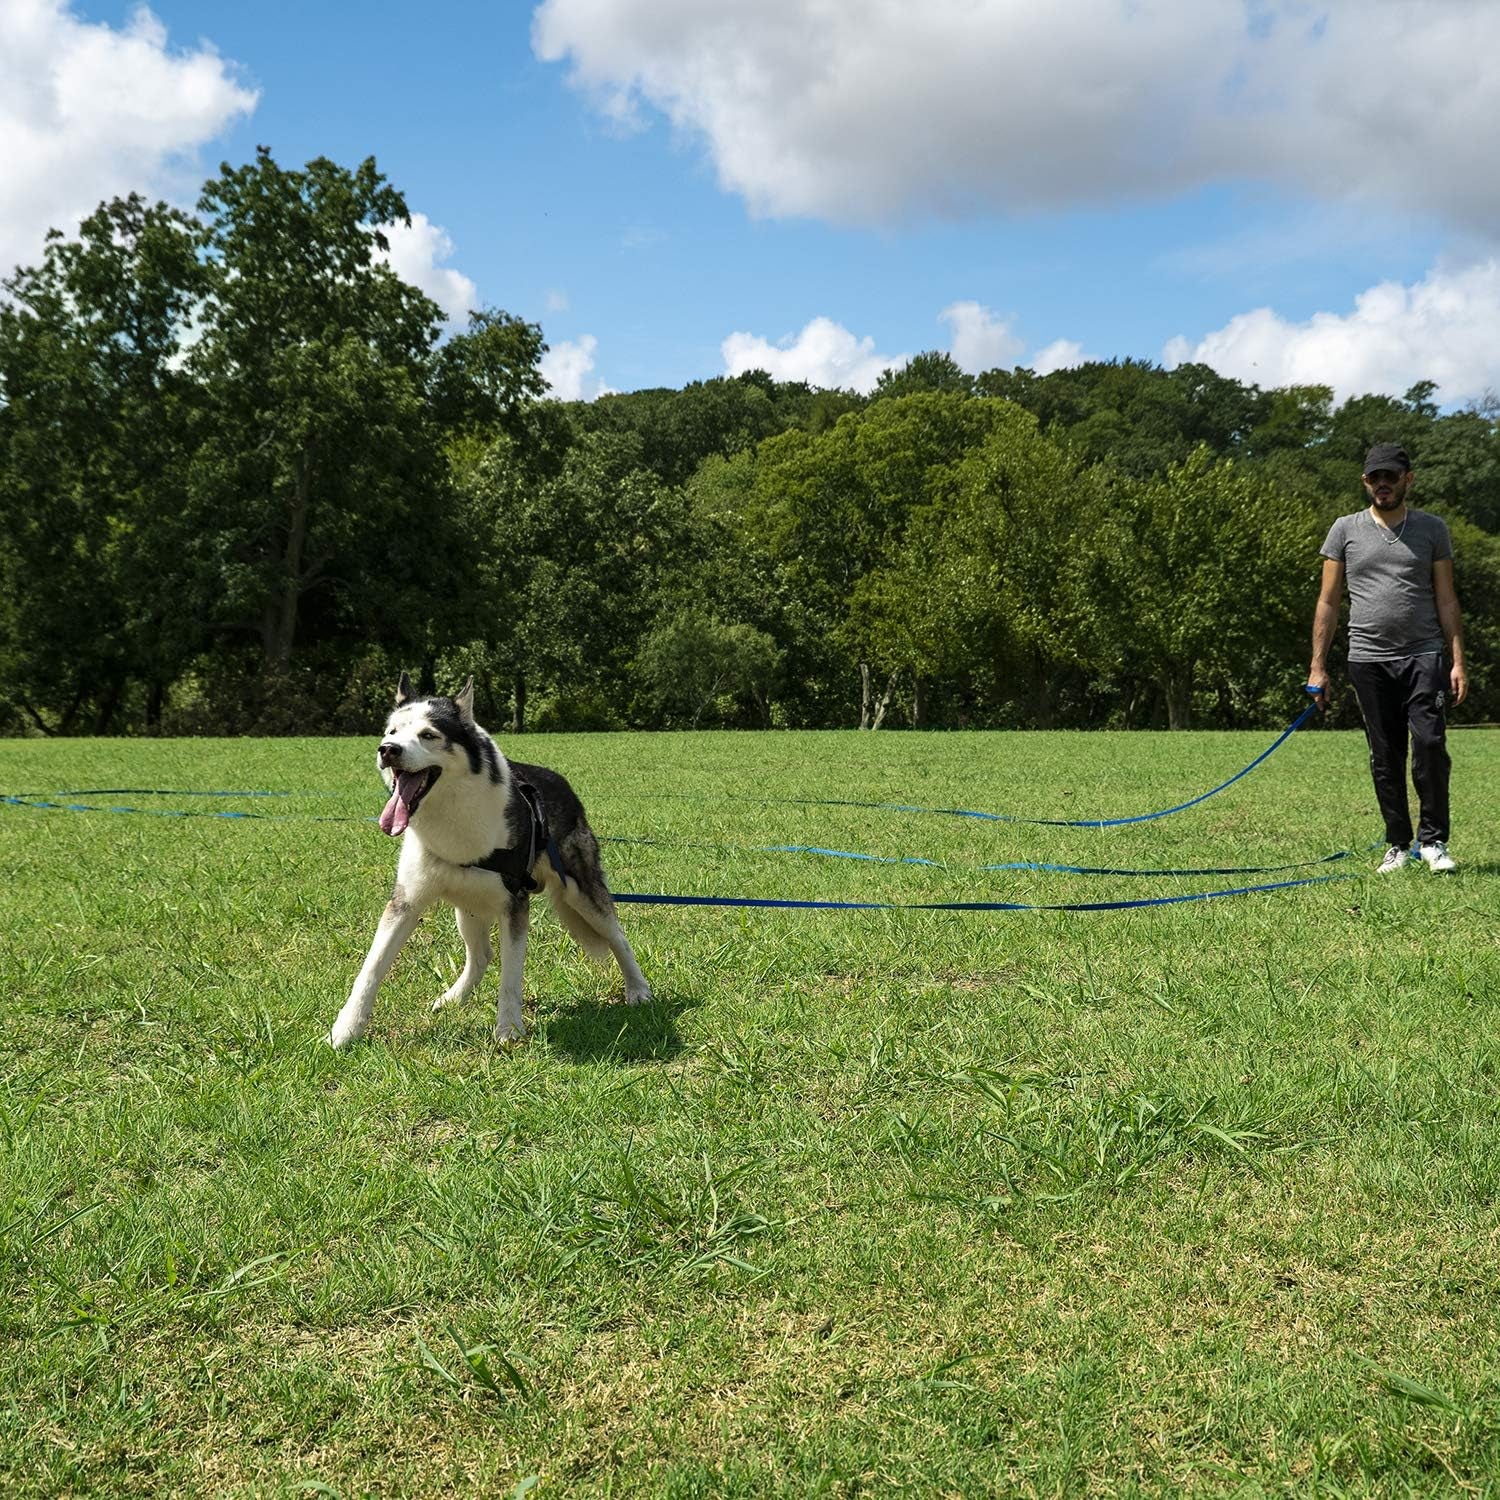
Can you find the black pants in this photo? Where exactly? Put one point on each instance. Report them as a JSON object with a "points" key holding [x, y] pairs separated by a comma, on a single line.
{"points": [[1409, 694]]}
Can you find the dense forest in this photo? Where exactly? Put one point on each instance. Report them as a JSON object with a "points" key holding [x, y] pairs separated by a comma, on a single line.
{"points": [[245, 479]]}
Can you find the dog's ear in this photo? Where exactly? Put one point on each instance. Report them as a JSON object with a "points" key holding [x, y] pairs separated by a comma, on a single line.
{"points": [[404, 693], [465, 700]]}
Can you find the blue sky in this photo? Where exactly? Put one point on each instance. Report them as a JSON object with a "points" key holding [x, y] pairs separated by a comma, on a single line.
{"points": [[676, 189]]}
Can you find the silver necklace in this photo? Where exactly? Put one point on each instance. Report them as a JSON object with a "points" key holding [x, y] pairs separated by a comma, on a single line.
{"points": [[1389, 537]]}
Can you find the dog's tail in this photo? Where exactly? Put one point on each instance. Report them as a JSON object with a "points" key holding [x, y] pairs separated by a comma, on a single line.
{"points": [[584, 933]]}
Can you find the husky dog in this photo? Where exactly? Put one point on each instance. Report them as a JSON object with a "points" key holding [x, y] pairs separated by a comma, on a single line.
{"points": [[481, 833]]}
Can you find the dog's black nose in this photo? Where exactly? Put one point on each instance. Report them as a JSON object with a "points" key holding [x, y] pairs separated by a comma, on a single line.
{"points": [[389, 753]]}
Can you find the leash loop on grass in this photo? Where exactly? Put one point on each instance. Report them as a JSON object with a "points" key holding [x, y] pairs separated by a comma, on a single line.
{"points": [[40, 803], [781, 903], [32, 800], [989, 817], [1038, 866]]}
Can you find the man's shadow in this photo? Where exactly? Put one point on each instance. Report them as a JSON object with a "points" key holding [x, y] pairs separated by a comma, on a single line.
{"points": [[607, 1031]]}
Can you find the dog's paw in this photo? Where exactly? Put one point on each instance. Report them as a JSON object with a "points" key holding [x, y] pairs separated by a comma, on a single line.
{"points": [[448, 997], [508, 1032], [640, 995], [345, 1032]]}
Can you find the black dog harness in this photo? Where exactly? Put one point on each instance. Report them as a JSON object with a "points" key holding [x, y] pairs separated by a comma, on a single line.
{"points": [[515, 863]]}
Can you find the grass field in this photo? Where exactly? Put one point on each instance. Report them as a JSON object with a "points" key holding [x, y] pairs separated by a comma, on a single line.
{"points": [[1194, 1198]]}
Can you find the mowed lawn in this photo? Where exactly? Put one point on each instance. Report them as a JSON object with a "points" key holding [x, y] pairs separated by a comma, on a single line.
{"points": [[1200, 1197]]}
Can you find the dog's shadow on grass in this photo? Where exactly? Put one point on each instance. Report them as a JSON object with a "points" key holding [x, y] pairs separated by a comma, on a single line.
{"points": [[607, 1031]]}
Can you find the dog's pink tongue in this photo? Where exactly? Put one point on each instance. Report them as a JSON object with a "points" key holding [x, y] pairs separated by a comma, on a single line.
{"points": [[397, 813], [395, 817]]}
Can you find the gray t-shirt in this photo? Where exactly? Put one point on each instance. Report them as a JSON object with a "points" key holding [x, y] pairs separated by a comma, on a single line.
{"points": [[1392, 609]]}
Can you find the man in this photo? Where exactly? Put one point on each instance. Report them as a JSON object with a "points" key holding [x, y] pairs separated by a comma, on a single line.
{"points": [[1406, 649]]}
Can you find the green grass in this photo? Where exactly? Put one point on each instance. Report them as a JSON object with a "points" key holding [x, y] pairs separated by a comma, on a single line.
{"points": [[1199, 1198]]}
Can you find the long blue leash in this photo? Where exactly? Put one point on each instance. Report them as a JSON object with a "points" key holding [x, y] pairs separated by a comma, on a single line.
{"points": [[1039, 866], [1072, 906], [770, 902], [31, 800], [781, 903], [25, 799], [989, 817], [36, 801]]}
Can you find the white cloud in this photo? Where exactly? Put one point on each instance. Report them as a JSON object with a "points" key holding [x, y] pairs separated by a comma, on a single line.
{"points": [[981, 341], [825, 354], [878, 110], [568, 368], [415, 253], [1060, 354], [88, 112], [1445, 328]]}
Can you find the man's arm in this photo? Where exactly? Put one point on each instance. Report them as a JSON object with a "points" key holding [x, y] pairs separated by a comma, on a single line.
{"points": [[1325, 622], [1453, 625]]}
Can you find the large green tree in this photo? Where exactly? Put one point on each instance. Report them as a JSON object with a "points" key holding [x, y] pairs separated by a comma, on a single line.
{"points": [[835, 507], [980, 602], [96, 423], [1133, 416], [576, 568], [1199, 580], [1458, 467], [317, 487], [679, 430]]}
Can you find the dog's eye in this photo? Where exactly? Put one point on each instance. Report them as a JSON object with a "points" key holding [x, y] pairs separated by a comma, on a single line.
{"points": [[427, 734]]}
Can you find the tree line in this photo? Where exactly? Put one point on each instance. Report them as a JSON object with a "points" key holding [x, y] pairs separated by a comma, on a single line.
{"points": [[245, 479]]}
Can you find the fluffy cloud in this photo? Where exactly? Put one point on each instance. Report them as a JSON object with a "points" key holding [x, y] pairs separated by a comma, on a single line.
{"points": [[415, 253], [880, 110], [981, 341], [1446, 328], [824, 354], [568, 368], [1060, 354], [88, 112]]}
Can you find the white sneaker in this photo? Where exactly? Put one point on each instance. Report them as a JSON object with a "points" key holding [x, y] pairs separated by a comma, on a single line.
{"points": [[1437, 859], [1395, 857]]}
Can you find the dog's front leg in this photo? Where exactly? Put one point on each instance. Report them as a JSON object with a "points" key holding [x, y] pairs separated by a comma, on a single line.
{"points": [[397, 923], [475, 931], [510, 1024]]}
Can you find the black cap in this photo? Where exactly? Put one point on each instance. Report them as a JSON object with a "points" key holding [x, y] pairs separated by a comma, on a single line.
{"points": [[1387, 456]]}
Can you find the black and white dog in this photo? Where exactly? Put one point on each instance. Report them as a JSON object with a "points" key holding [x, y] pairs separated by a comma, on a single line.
{"points": [[481, 833]]}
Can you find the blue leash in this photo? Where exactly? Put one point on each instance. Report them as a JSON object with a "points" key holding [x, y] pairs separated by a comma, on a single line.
{"points": [[769, 902], [24, 799], [27, 799], [1074, 906], [33, 801], [989, 817], [783, 904], [1024, 864], [30, 800]]}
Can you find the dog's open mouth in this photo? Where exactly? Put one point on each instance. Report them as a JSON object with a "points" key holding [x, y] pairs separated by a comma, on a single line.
{"points": [[411, 787]]}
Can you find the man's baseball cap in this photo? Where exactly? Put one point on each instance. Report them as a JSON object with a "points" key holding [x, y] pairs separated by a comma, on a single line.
{"points": [[1387, 456]]}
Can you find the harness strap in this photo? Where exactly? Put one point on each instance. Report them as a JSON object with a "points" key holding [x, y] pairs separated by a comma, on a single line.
{"points": [[515, 863]]}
